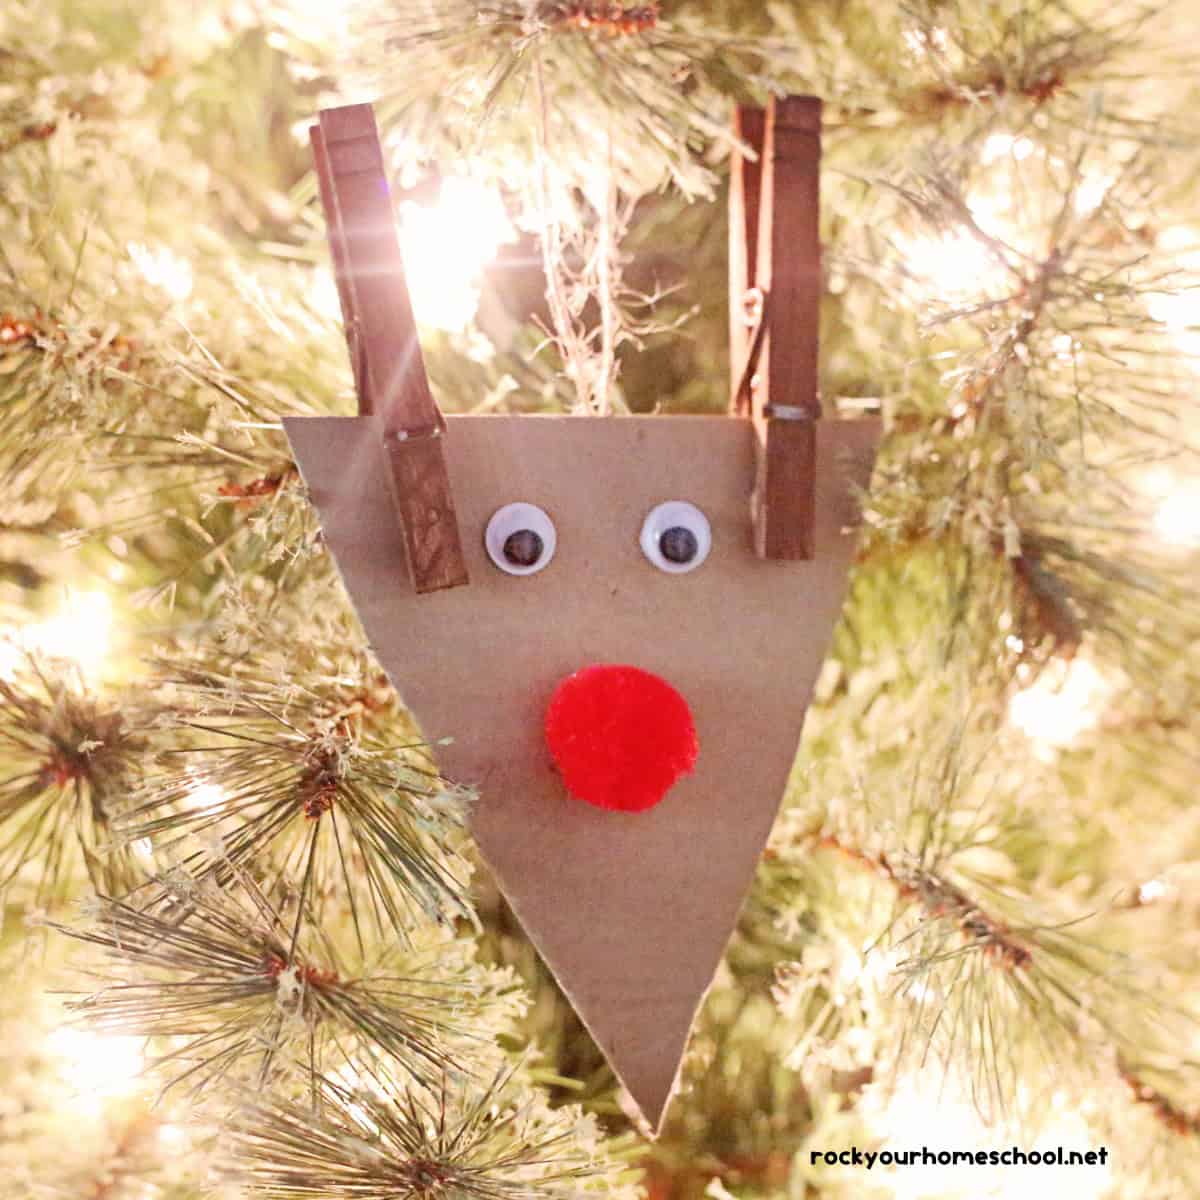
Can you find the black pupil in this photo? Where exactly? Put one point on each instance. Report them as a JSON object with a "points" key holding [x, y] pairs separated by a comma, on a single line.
{"points": [[678, 545], [523, 548]]}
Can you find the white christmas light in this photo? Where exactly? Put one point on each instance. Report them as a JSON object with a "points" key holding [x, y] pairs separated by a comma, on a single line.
{"points": [[1063, 346], [324, 294], [954, 266], [1090, 193], [1180, 313], [446, 247], [173, 1138], [164, 269], [354, 1084], [962, 266], [11, 653], [1177, 506], [1152, 890], [1176, 310], [94, 1067], [206, 797], [1000, 145], [80, 632], [1065, 702], [1179, 310], [1178, 518], [323, 22], [926, 40], [927, 1112]]}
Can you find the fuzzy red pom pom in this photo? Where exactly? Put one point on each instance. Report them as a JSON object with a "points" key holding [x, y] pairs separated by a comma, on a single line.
{"points": [[620, 736]]}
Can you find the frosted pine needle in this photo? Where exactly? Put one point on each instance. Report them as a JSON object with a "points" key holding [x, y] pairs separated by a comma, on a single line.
{"points": [[239, 995], [367, 1144], [70, 759], [318, 791]]}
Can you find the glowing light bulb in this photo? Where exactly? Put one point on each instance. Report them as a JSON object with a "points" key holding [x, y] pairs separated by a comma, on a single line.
{"points": [[164, 269], [1001, 145], [904, 1118], [1178, 518], [1064, 702], [80, 632], [206, 797], [324, 22], [926, 40], [324, 294], [1176, 310], [446, 247], [953, 267], [353, 1084], [96, 1068], [961, 266], [173, 1137], [1179, 311], [1177, 506], [1092, 189], [1152, 890], [11, 653]]}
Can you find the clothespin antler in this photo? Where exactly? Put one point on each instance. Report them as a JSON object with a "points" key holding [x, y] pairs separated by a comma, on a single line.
{"points": [[385, 354], [774, 310]]}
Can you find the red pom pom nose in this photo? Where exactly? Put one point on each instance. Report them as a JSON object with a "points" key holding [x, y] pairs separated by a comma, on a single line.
{"points": [[620, 736]]}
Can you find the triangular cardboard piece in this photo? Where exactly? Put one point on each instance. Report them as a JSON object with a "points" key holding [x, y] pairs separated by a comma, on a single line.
{"points": [[631, 911]]}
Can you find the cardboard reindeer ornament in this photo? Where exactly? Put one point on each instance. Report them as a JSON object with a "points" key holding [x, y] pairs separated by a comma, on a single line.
{"points": [[619, 620]]}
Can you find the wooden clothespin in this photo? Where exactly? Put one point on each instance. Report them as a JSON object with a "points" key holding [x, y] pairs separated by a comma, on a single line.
{"points": [[774, 313], [389, 373]]}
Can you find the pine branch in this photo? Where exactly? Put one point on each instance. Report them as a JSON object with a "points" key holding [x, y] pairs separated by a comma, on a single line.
{"points": [[1049, 361], [376, 1144], [972, 956], [970, 61], [71, 759], [939, 900], [239, 1000], [1175, 1118], [653, 104], [654, 86], [314, 790]]}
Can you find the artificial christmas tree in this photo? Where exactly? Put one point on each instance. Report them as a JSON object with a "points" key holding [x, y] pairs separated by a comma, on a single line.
{"points": [[970, 930]]}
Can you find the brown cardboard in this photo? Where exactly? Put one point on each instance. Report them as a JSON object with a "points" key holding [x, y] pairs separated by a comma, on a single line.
{"points": [[631, 911]]}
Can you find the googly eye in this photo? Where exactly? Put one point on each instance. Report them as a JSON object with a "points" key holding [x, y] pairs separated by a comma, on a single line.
{"points": [[676, 537], [520, 539]]}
